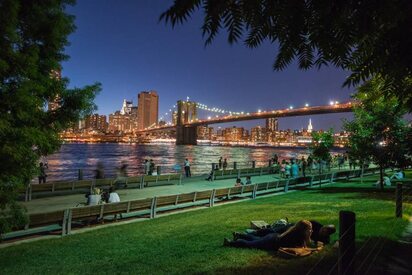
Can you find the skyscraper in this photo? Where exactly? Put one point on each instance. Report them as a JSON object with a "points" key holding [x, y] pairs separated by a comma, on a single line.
{"points": [[310, 127], [148, 109], [272, 124], [126, 107]]}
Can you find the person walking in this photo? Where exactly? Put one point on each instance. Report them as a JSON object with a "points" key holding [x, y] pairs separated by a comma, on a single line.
{"points": [[187, 169], [42, 173], [225, 164], [220, 163]]}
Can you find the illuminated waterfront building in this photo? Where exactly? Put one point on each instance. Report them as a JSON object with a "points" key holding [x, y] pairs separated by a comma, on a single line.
{"points": [[272, 124], [204, 132], [148, 109], [119, 123], [258, 134], [233, 134], [96, 123]]}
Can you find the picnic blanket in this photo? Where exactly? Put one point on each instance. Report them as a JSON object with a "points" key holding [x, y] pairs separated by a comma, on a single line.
{"points": [[292, 252]]}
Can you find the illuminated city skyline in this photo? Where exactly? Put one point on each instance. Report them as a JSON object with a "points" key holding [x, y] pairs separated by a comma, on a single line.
{"points": [[133, 52]]}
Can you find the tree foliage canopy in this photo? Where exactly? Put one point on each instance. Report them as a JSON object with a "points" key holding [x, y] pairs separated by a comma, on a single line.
{"points": [[322, 142], [33, 35], [378, 130], [368, 37]]}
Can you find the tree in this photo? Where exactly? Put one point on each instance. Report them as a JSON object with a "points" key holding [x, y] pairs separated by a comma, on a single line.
{"points": [[367, 37], [378, 131], [320, 148], [33, 35]]}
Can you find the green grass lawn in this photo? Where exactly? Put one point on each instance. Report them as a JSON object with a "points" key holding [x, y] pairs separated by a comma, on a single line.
{"points": [[191, 242]]}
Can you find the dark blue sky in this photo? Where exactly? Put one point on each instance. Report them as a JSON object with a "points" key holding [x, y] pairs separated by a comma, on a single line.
{"points": [[122, 45]]}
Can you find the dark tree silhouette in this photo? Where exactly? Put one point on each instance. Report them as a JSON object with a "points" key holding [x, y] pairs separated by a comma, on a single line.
{"points": [[367, 37]]}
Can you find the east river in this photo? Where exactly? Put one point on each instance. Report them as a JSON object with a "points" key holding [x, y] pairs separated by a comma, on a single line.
{"points": [[64, 165]]}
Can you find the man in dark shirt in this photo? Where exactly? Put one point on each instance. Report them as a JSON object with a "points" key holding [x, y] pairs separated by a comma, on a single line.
{"points": [[320, 233]]}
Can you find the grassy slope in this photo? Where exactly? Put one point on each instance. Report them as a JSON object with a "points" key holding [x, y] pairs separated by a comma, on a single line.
{"points": [[192, 242]]}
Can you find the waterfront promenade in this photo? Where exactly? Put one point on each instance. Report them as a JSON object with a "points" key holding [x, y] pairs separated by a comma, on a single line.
{"points": [[196, 183]]}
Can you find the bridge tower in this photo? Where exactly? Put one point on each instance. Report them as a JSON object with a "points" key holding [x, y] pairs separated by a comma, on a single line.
{"points": [[186, 113]]}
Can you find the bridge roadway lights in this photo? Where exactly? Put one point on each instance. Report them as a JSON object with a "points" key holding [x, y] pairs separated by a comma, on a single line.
{"points": [[186, 135]]}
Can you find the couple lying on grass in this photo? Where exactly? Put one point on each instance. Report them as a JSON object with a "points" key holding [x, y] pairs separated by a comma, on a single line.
{"points": [[283, 234]]}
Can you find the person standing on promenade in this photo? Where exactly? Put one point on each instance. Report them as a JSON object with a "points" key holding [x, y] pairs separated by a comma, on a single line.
{"points": [[283, 169], [99, 172], [295, 169], [42, 173], [225, 164], [123, 170], [275, 158], [187, 169], [304, 165], [151, 167], [310, 163], [287, 170], [146, 167], [220, 163]]}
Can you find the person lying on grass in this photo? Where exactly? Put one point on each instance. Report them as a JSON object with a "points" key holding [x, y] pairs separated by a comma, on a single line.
{"points": [[320, 232], [298, 235]]}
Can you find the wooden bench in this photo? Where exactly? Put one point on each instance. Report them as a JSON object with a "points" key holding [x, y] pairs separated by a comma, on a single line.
{"points": [[49, 218], [163, 178]]}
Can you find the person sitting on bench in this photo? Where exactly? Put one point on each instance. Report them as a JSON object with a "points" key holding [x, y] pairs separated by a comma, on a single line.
{"points": [[320, 232], [238, 182], [297, 235], [386, 181], [398, 175]]}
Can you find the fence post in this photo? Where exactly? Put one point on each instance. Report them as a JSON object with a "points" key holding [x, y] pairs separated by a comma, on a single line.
{"points": [[64, 222], [158, 170], [69, 222], [253, 163], [346, 243], [254, 191], [287, 186], [153, 208], [80, 174], [234, 165], [399, 200], [212, 198]]}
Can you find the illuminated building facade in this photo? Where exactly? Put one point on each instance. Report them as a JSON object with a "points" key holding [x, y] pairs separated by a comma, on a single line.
{"points": [[233, 134], [258, 134], [148, 109], [96, 123]]}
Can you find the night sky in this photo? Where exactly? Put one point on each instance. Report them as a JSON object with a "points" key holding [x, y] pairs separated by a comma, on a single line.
{"points": [[122, 45]]}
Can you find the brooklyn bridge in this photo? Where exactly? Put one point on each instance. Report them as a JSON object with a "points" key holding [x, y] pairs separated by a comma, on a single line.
{"points": [[187, 120]]}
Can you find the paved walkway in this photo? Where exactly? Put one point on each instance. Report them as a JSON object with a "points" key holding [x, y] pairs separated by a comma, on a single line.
{"points": [[198, 183]]}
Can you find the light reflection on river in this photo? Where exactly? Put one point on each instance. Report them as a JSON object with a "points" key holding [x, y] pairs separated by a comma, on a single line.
{"points": [[64, 165]]}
